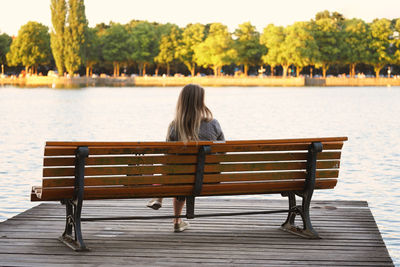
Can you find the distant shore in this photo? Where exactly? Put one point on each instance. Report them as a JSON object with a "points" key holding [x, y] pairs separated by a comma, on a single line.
{"points": [[64, 82]]}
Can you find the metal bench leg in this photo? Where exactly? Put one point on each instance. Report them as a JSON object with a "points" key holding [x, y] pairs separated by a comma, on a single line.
{"points": [[289, 223], [304, 210], [74, 206], [69, 218], [73, 222], [190, 207], [308, 230]]}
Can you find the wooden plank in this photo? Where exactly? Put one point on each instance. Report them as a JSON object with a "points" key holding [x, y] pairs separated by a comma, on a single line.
{"points": [[171, 159], [70, 151], [182, 179], [168, 148], [129, 170], [271, 141], [271, 147], [177, 169], [116, 192]]}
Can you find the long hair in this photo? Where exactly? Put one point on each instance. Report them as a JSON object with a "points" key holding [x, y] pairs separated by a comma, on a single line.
{"points": [[190, 112]]}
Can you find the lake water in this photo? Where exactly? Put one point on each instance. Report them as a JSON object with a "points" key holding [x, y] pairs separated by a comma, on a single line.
{"points": [[369, 116]]}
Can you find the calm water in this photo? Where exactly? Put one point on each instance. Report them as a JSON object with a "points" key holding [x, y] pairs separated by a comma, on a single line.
{"points": [[370, 117]]}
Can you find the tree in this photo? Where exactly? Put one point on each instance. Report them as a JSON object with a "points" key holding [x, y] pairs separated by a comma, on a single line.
{"points": [[248, 47], [115, 47], [355, 39], [216, 50], [58, 16], [396, 42], [300, 46], [337, 17], [144, 43], [192, 36], [31, 47], [92, 50], [5, 42], [273, 38], [326, 33], [380, 44], [168, 47], [75, 33]]}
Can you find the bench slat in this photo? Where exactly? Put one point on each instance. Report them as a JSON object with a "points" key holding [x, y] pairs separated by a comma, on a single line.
{"points": [[176, 169], [65, 151], [272, 147], [98, 150], [271, 141], [186, 179], [168, 159], [183, 190]]}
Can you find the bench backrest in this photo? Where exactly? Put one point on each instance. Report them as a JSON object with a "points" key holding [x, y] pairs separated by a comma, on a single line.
{"points": [[165, 169]]}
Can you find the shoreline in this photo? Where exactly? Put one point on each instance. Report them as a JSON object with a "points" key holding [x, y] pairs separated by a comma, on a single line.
{"points": [[75, 82]]}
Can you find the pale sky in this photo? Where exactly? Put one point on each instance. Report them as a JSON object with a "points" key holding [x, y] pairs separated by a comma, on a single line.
{"points": [[15, 13]]}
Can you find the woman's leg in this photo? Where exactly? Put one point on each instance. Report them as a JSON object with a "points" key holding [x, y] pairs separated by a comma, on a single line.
{"points": [[178, 206]]}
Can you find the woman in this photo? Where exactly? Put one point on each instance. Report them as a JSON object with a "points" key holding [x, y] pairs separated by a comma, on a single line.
{"points": [[193, 122]]}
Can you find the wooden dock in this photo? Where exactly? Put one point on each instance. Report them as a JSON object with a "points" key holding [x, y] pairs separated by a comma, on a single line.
{"points": [[350, 236]]}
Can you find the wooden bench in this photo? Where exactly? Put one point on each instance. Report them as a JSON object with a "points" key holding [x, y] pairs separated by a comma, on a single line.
{"points": [[77, 171]]}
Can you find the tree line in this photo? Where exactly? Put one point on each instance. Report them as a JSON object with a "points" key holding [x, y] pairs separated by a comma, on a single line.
{"points": [[326, 41]]}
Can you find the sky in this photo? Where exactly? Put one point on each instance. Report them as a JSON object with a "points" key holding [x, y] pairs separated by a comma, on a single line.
{"points": [[15, 13]]}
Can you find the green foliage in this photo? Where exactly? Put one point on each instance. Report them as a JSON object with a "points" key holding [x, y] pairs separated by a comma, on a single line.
{"points": [[92, 46], [192, 36], [300, 45], [115, 48], [168, 47], [273, 38], [329, 40], [216, 50], [326, 33], [114, 45], [355, 39], [144, 44], [92, 54], [101, 28], [396, 41], [327, 15], [31, 47], [75, 33], [58, 16], [5, 42], [247, 45], [380, 44]]}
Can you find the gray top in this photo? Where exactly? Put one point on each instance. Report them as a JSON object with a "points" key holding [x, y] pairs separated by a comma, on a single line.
{"points": [[209, 131]]}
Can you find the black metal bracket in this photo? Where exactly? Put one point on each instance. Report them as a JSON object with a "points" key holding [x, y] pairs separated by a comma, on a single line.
{"points": [[74, 205], [198, 184], [304, 210]]}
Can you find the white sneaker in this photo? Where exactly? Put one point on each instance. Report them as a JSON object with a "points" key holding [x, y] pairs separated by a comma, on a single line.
{"points": [[180, 227], [154, 204]]}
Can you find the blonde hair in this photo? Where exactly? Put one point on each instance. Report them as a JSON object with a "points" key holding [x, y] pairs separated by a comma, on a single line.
{"points": [[190, 112]]}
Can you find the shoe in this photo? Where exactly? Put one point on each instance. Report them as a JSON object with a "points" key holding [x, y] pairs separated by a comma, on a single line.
{"points": [[154, 204], [180, 227]]}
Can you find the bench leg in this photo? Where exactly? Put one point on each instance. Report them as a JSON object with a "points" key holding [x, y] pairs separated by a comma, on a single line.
{"points": [[292, 210], [74, 206], [73, 222], [304, 211]]}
